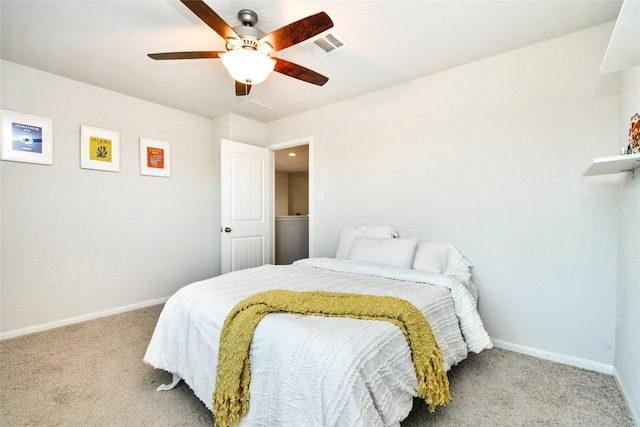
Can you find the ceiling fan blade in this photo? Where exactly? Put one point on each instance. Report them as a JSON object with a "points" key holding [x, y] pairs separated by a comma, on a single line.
{"points": [[185, 55], [299, 72], [242, 89], [298, 31], [210, 18]]}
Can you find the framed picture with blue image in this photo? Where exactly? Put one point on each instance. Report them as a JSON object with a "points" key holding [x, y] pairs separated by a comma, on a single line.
{"points": [[26, 138], [99, 149]]}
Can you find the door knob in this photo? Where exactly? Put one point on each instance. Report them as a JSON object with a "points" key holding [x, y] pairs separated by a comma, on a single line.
{"points": [[227, 230]]}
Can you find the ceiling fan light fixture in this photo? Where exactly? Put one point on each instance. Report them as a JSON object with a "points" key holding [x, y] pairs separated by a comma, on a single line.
{"points": [[234, 43], [265, 47], [247, 65]]}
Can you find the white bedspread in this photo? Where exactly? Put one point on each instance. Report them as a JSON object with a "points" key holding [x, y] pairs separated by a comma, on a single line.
{"points": [[316, 371]]}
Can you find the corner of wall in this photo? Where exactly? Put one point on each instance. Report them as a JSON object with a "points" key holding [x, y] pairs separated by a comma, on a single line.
{"points": [[221, 127], [246, 130], [627, 343], [627, 396]]}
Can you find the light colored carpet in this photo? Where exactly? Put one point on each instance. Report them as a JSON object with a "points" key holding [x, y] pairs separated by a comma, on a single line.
{"points": [[92, 374]]}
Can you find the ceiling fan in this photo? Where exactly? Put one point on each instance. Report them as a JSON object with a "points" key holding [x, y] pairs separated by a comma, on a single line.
{"points": [[248, 52]]}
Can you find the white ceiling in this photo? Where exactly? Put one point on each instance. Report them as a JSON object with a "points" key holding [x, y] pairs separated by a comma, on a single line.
{"points": [[292, 159], [105, 43]]}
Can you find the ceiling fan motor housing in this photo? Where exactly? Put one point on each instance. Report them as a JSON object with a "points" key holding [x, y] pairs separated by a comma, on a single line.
{"points": [[249, 35], [248, 17], [247, 32]]}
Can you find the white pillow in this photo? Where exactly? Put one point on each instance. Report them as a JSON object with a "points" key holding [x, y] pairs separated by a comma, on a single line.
{"points": [[441, 258], [349, 235], [444, 258], [393, 252]]}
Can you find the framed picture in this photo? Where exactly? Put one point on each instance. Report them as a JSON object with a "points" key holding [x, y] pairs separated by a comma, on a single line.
{"points": [[26, 138], [99, 149], [155, 157]]}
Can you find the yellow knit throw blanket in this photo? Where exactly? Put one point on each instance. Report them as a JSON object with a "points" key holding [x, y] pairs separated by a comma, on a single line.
{"points": [[231, 396]]}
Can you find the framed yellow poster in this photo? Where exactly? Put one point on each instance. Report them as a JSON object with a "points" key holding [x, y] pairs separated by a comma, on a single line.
{"points": [[99, 149]]}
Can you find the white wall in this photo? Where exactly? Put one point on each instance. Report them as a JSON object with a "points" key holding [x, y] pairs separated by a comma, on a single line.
{"points": [[299, 193], [281, 193], [240, 129], [76, 242], [628, 315], [490, 156], [291, 193]]}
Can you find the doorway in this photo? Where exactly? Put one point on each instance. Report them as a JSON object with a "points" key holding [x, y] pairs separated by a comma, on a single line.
{"points": [[291, 200]]}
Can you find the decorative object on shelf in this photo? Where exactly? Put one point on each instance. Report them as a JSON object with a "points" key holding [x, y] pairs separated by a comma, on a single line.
{"points": [[26, 138], [155, 157], [634, 135], [99, 149]]}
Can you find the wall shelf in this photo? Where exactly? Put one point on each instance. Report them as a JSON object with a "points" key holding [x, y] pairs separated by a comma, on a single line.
{"points": [[614, 164]]}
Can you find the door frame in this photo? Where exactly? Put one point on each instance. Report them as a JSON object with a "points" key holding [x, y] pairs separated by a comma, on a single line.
{"points": [[308, 140]]}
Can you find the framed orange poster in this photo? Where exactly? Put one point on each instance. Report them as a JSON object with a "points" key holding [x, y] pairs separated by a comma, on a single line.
{"points": [[155, 157]]}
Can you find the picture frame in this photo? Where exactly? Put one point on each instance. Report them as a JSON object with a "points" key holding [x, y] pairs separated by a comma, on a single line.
{"points": [[99, 149], [155, 157], [26, 138]]}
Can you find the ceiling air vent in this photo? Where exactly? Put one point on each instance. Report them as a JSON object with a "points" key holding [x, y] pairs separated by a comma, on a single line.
{"points": [[252, 107], [324, 45]]}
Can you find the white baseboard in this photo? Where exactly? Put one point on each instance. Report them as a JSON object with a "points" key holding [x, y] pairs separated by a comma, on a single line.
{"points": [[627, 397], [78, 319], [555, 357]]}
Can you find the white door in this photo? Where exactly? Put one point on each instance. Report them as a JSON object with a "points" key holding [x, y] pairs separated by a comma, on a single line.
{"points": [[246, 205]]}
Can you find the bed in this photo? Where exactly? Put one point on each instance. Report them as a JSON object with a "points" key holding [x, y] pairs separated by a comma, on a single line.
{"points": [[326, 371]]}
